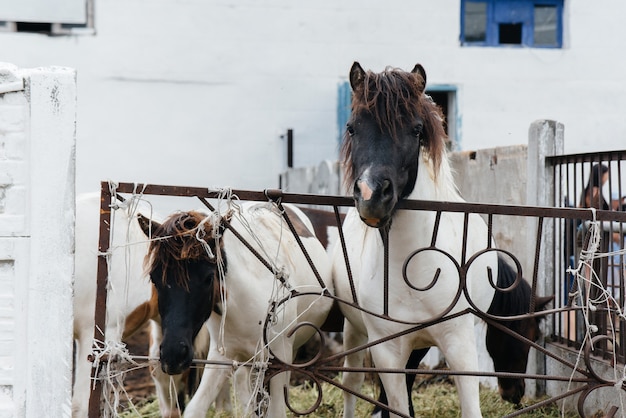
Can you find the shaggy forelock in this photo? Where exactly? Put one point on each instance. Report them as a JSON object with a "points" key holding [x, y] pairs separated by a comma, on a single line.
{"points": [[176, 244]]}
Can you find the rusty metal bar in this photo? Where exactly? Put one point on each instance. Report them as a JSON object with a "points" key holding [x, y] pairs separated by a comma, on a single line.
{"points": [[302, 247], [587, 157], [344, 249], [384, 234], [342, 201], [536, 266], [101, 293], [245, 242], [464, 240]]}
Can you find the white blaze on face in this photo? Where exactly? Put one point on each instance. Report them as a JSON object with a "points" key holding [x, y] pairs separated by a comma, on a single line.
{"points": [[366, 191]]}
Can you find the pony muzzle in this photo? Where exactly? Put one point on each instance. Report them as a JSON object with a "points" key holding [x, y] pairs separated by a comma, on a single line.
{"points": [[374, 201], [176, 358], [511, 390]]}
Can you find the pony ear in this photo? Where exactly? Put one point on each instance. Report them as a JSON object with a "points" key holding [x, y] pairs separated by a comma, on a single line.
{"points": [[418, 69], [542, 301], [357, 77], [147, 225], [224, 220], [540, 305]]}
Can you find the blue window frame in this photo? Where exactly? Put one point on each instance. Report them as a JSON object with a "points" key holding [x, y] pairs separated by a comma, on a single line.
{"points": [[530, 23]]}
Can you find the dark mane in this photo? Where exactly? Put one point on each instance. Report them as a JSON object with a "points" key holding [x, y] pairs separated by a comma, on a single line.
{"points": [[394, 98], [510, 303], [177, 244]]}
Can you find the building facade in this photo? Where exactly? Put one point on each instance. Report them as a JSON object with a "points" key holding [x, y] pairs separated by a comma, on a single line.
{"points": [[202, 93]]}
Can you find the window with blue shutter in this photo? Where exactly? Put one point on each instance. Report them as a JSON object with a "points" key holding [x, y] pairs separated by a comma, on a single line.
{"points": [[530, 23]]}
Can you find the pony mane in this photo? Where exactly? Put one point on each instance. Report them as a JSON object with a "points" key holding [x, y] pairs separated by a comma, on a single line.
{"points": [[177, 244], [394, 98], [509, 303]]}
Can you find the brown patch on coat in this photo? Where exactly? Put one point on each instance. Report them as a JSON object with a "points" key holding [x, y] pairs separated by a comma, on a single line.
{"points": [[299, 226], [141, 314]]}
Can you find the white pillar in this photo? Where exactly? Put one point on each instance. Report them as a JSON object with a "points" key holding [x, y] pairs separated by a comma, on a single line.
{"points": [[37, 159], [545, 138]]}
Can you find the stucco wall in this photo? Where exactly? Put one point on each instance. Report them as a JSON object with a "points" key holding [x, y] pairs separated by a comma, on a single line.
{"points": [[199, 93], [37, 138]]}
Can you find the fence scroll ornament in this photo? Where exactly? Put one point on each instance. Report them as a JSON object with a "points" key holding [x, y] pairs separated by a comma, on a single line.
{"points": [[585, 378]]}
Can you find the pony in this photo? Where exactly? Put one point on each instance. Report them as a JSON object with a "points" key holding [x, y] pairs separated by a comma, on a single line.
{"points": [[509, 353], [410, 267], [209, 268], [130, 300]]}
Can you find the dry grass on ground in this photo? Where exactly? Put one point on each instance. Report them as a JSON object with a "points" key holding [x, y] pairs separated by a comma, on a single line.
{"points": [[432, 401]]}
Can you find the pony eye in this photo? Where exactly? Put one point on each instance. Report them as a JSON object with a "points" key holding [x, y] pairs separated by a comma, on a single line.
{"points": [[417, 131], [350, 129]]}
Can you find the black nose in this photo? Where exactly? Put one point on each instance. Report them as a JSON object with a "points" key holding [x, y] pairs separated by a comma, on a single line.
{"points": [[175, 358], [513, 394], [184, 349], [380, 190]]}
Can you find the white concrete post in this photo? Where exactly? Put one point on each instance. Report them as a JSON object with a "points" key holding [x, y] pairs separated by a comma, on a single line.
{"points": [[37, 159], [545, 138]]}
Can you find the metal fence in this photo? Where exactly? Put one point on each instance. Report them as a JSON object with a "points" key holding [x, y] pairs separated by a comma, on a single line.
{"points": [[566, 316], [602, 275]]}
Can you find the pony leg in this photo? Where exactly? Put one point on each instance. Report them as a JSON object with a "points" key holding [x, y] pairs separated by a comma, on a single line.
{"points": [[459, 349], [213, 379], [413, 363], [390, 355], [82, 375], [352, 338], [277, 407], [238, 393], [222, 402], [168, 393]]}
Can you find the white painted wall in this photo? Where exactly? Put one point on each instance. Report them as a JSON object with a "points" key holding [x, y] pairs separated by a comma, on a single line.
{"points": [[37, 165], [198, 92]]}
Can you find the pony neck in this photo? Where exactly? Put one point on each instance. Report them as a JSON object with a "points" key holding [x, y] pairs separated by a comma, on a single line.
{"points": [[431, 185]]}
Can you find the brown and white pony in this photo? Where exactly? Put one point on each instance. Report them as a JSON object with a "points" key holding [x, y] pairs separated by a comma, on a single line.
{"points": [[130, 303], [254, 311]]}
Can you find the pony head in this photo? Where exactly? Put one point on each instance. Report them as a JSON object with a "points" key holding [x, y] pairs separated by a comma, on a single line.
{"points": [[508, 352], [183, 263], [391, 120]]}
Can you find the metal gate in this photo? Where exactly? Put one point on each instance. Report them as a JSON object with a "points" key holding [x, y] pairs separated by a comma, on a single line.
{"points": [[582, 377]]}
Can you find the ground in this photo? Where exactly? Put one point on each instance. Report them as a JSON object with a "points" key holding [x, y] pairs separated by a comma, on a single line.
{"points": [[138, 383]]}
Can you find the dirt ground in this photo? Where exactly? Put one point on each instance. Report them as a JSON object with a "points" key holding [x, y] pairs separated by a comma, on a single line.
{"points": [[138, 383]]}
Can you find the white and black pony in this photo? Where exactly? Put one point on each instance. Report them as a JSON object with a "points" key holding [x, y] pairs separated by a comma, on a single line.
{"points": [[410, 267]]}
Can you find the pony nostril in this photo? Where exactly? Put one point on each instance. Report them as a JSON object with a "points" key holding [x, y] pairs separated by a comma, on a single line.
{"points": [[386, 191], [357, 189], [184, 349]]}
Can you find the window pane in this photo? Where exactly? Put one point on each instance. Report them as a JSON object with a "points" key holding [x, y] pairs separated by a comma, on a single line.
{"points": [[545, 25], [61, 11], [475, 21]]}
